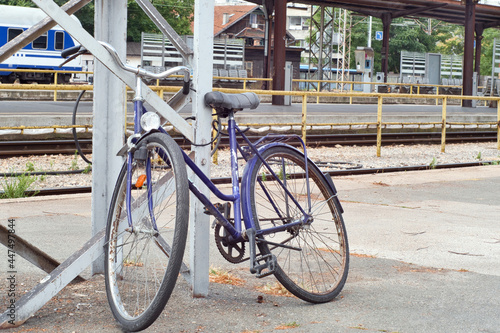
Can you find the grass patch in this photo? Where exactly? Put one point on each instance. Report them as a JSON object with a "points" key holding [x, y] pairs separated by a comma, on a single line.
{"points": [[15, 187], [287, 326]]}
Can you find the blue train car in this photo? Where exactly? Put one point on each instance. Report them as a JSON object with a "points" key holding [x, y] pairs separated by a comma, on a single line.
{"points": [[43, 53]]}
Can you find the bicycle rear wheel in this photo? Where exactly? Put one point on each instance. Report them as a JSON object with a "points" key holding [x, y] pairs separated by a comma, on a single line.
{"points": [[142, 264], [315, 263]]}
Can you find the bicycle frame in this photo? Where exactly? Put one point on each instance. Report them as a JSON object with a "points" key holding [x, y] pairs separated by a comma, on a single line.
{"points": [[236, 231]]}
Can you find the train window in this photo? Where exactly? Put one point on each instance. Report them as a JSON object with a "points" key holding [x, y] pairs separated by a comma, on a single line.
{"points": [[59, 40], [13, 33], [40, 42]]}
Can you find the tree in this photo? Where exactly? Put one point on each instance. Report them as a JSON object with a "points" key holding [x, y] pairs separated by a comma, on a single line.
{"points": [[405, 35], [487, 49], [450, 39], [178, 13]]}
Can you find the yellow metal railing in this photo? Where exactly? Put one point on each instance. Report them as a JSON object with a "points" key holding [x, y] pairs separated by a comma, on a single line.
{"points": [[379, 123], [244, 80], [305, 94]]}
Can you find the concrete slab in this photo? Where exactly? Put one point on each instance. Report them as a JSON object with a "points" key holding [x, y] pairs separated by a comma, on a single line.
{"points": [[425, 250]]}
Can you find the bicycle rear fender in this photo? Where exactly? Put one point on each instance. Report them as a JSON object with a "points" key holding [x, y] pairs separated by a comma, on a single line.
{"points": [[245, 184], [246, 206]]}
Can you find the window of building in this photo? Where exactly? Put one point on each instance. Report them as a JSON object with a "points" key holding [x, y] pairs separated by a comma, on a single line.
{"points": [[13, 33], [253, 19], [40, 42], [59, 40]]}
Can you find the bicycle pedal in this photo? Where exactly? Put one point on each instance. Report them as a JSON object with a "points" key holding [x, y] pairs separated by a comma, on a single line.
{"points": [[269, 265]]}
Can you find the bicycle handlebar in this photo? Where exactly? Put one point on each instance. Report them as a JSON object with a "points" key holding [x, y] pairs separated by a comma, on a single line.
{"points": [[72, 50], [136, 70]]}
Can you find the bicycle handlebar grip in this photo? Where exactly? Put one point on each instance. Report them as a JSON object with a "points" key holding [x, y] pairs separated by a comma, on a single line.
{"points": [[185, 87], [72, 50]]}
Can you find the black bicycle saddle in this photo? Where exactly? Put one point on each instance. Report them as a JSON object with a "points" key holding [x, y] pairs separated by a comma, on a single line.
{"points": [[219, 100]]}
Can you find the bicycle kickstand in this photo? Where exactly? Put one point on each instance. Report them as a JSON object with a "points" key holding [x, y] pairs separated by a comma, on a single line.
{"points": [[256, 266]]}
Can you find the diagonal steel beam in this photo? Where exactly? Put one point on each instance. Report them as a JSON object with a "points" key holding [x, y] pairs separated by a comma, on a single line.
{"points": [[32, 33], [166, 29], [37, 297], [101, 54], [31, 253]]}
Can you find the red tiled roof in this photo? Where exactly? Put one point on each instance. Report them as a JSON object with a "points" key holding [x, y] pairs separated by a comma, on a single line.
{"points": [[238, 12]]}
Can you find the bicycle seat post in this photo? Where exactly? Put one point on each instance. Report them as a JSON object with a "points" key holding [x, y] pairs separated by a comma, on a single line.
{"points": [[138, 101]]}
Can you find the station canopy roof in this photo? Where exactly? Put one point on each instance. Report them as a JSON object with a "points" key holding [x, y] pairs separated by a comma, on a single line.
{"points": [[452, 11]]}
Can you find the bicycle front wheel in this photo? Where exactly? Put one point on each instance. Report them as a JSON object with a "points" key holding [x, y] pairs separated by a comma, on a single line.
{"points": [[313, 260], [142, 262]]}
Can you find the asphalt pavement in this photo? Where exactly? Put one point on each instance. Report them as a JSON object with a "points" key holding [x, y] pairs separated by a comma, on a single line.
{"points": [[425, 253]]}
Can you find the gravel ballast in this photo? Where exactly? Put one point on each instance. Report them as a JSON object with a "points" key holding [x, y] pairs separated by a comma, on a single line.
{"points": [[344, 156]]}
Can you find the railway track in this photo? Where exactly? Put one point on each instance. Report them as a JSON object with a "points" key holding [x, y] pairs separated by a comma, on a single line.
{"points": [[42, 147], [227, 180]]}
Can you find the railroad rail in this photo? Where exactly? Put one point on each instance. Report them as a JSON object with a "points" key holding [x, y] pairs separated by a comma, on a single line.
{"points": [[42, 147], [227, 180]]}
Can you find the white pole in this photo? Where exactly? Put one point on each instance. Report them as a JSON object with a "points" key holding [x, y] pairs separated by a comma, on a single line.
{"points": [[370, 32], [109, 115], [199, 229]]}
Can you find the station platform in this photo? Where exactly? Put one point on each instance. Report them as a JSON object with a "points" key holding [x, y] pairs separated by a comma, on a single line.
{"points": [[425, 248], [275, 118]]}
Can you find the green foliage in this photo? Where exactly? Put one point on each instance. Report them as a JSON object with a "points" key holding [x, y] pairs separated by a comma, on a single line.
{"points": [[478, 157], [263, 177], [74, 162], [87, 169], [450, 39], [433, 163], [489, 36], [15, 187], [30, 167], [405, 35], [178, 13]]}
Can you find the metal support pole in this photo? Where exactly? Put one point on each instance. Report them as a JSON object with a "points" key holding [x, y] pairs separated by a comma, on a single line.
{"points": [[369, 44], [304, 118], [477, 60], [199, 229], [267, 6], [109, 114], [279, 50], [386, 21], [470, 20]]}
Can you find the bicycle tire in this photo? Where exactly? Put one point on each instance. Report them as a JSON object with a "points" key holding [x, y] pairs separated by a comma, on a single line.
{"points": [[139, 273], [317, 273]]}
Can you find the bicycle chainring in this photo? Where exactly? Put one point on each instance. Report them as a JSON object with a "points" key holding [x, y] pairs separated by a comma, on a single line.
{"points": [[234, 252]]}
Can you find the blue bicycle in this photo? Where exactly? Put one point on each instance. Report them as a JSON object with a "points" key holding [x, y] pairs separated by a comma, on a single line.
{"points": [[285, 210]]}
